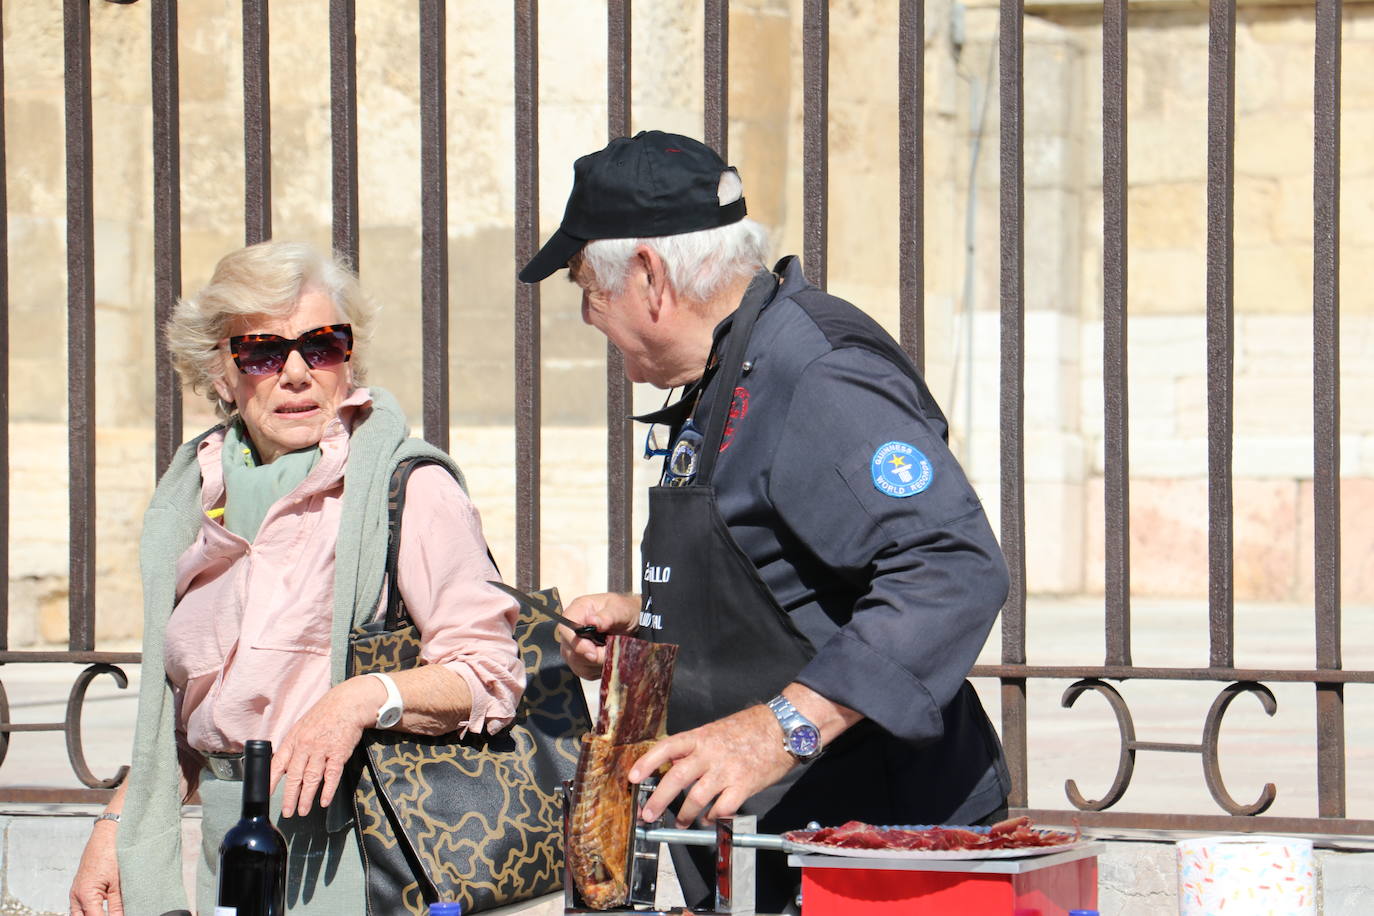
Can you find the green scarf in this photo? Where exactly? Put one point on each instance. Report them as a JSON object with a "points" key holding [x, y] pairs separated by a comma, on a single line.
{"points": [[251, 489]]}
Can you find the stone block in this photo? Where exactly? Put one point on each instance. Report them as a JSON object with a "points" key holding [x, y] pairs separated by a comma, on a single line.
{"points": [[1168, 537], [1054, 513], [1169, 281], [1138, 879], [1357, 540], [1274, 143], [1273, 406], [37, 881], [1168, 148], [1347, 881]]}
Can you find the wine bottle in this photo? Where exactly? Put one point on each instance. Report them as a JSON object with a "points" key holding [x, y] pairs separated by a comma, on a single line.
{"points": [[252, 858]]}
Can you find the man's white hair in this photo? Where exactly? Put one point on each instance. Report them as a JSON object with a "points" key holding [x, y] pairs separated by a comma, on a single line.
{"points": [[699, 264]]}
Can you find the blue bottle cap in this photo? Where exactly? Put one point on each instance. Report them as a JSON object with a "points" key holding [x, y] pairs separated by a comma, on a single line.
{"points": [[446, 908], [1083, 913]]}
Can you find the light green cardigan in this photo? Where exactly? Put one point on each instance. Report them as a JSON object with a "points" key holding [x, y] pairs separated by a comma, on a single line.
{"points": [[149, 837]]}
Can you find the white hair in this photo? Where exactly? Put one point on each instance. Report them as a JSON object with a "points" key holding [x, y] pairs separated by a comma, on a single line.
{"points": [[699, 264]]}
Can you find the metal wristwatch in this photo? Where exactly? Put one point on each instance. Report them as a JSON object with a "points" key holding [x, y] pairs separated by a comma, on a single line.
{"points": [[800, 736], [389, 713]]}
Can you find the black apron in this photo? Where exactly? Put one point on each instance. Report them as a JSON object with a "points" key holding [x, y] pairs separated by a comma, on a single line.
{"points": [[739, 648]]}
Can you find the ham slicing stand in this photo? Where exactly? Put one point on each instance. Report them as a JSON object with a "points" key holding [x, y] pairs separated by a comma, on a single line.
{"points": [[733, 839]]}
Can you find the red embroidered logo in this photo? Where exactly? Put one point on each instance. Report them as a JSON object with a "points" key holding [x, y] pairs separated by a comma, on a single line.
{"points": [[739, 407]]}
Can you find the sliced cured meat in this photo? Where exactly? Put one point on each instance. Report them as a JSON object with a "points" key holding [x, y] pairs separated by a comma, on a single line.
{"points": [[634, 689], [1013, 833], [635, 681]]}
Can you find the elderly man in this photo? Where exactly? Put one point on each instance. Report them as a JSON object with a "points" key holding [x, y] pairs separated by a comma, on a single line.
{"points": [[813, 546]]}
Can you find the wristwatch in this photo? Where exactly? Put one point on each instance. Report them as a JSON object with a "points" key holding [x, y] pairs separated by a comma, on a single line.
{"points": [[800, 736], [389, 713]]}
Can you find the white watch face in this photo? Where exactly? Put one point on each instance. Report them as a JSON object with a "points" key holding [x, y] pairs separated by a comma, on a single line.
{"points": [[388, 716]]}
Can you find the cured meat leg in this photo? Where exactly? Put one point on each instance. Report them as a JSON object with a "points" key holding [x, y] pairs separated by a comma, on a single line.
{"points": [[634, 711]]}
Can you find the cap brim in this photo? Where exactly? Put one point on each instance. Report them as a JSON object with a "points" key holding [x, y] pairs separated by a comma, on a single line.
{"points": [[554, 256]]}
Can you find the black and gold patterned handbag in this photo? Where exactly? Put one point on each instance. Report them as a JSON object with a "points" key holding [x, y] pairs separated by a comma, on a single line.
{"points": [[476, 819]]}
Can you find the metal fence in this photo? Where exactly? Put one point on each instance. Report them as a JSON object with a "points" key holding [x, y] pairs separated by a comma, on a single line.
{"points": [[1327, 676]]}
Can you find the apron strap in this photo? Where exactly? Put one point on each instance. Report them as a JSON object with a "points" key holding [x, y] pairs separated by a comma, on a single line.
{"points": [[760, 292]]}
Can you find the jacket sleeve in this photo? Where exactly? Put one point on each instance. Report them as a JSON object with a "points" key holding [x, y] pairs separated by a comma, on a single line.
{"points": [[864, 480]]}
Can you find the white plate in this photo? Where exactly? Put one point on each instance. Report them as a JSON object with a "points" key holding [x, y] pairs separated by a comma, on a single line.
{"points": [[1014, 853]]}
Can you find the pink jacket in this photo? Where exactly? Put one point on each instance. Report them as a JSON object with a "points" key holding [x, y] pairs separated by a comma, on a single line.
{"points": [[247, 647]]}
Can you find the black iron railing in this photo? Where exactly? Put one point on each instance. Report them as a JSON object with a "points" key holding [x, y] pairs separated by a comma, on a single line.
{"points": [[1327, 676]]}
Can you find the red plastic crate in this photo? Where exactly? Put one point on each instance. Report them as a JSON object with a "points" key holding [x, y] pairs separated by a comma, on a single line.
{"points": [[1043, 885]]}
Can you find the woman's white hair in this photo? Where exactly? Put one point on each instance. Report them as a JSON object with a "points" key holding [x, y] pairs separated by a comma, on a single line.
{"points": [[267, 279], [699, 264]]}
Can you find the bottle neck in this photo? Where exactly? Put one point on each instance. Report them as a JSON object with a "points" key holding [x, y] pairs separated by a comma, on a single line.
{"points": [[257, 773]]}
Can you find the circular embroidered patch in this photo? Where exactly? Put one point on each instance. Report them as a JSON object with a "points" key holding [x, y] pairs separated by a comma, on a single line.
{"points": [[900, 470]]}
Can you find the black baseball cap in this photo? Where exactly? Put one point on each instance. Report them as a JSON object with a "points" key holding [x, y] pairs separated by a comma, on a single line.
{"points": [[644, 186]]}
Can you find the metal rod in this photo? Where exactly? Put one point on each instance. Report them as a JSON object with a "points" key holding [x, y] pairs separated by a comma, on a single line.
{"points": [[257, 125], [815, 142], [708, 838], [527, 385], [1326, 403], [1012, 406], [619, 394], [911, 178], [76, 29], [716, 76], [166, 225], [1115, 389], [343, 127], [434, 224], [1221, 127]]}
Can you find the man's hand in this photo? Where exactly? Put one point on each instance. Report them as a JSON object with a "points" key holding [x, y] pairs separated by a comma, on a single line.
{"points": [[314, 751], [97, 877], [611, 612], [719, 765]]}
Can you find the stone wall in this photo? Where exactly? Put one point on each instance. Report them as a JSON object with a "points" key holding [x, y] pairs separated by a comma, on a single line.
{"points": [[1063, 258]]}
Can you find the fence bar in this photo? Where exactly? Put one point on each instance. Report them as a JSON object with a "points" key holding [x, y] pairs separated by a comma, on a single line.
{"points": [[911, 178], [1012, 410], [815, 141], [257, 125], [527, 400], [1221, 134], [4, 372], [1115, 396], [619, 399], [433, 223], [1326, 408], [166, 223], [716, 73], [1137, 672], [343, 126], [1213, 823], [76, 30]]}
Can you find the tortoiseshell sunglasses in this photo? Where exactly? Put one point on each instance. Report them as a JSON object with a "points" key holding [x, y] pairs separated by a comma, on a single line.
{"points": [[266, 354]]}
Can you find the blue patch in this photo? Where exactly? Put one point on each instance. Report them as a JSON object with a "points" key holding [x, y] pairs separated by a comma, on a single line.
{"points": [[900, 470]]}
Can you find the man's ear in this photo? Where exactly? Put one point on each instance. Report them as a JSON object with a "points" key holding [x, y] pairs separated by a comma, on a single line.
{"points": [[655, 278]]}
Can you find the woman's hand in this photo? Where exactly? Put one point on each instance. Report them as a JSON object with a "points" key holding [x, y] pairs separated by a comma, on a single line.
{"points": [[611, 612], [314, 751], [97, 877]]}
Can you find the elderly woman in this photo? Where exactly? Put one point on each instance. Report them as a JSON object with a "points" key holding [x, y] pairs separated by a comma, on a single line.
{"points": [[263, 546]]}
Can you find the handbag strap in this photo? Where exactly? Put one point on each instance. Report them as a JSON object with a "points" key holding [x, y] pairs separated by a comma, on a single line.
{"points": [[397, 615]]}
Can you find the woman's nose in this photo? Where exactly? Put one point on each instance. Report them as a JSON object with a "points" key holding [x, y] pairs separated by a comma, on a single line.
{"points": [[295, 371]]}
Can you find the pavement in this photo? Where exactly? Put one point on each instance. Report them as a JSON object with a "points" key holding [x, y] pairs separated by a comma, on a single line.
{"points": [[1079, 743]]}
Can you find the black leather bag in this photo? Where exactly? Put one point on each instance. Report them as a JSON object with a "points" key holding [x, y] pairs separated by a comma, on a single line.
{"points": [[476, 819]]}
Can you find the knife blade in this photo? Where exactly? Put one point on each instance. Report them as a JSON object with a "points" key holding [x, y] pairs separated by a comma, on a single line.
{"points": [[585, 630]]}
